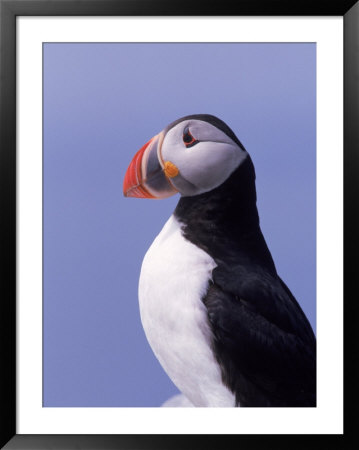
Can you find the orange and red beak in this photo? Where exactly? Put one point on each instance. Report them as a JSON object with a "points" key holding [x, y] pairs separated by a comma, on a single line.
{"points": [[146, 175]]}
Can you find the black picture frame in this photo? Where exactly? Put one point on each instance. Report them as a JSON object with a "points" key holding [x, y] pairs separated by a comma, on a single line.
{"points": [[9, 10]]}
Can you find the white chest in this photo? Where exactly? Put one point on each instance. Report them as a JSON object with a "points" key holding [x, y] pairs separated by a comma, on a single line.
{"points": [[174, 278]]}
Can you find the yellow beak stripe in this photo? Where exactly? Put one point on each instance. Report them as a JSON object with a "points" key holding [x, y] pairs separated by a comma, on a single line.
{"points": [[170, 169]]}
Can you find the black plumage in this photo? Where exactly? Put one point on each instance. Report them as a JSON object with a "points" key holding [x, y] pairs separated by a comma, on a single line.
{"points": [[262, 340]]}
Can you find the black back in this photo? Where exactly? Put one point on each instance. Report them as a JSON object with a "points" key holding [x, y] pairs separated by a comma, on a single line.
{"points": [[261, 338]]}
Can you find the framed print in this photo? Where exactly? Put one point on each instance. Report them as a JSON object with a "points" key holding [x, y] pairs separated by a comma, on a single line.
{"points": [[86, 88]]}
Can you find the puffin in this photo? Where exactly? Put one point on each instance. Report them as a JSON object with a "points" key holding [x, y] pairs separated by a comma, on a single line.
{"points": [[218, 317]]}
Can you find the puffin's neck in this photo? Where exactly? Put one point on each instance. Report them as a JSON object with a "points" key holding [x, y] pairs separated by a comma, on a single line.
{"points": [[225, 223]]}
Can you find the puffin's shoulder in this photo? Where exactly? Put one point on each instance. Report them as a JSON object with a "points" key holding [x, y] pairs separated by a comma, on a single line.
{"points": [[262, 340]]}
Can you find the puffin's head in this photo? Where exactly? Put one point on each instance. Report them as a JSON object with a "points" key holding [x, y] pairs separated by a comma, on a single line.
{"points": [[192, 155]]}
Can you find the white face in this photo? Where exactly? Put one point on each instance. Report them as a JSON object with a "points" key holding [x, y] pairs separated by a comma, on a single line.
{"points": [[203, 164]]}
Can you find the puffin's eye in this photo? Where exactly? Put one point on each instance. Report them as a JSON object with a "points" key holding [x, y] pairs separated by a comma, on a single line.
{"points": [[188, 139]]}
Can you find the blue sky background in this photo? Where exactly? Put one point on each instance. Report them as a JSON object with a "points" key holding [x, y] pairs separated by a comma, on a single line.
{"points": [[102, 102]]}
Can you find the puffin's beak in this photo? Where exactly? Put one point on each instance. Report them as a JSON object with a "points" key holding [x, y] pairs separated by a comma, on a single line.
{"points": [[146, 176]]}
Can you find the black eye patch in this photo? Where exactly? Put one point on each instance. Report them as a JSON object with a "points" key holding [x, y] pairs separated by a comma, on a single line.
{"points": [[188, 139]]}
